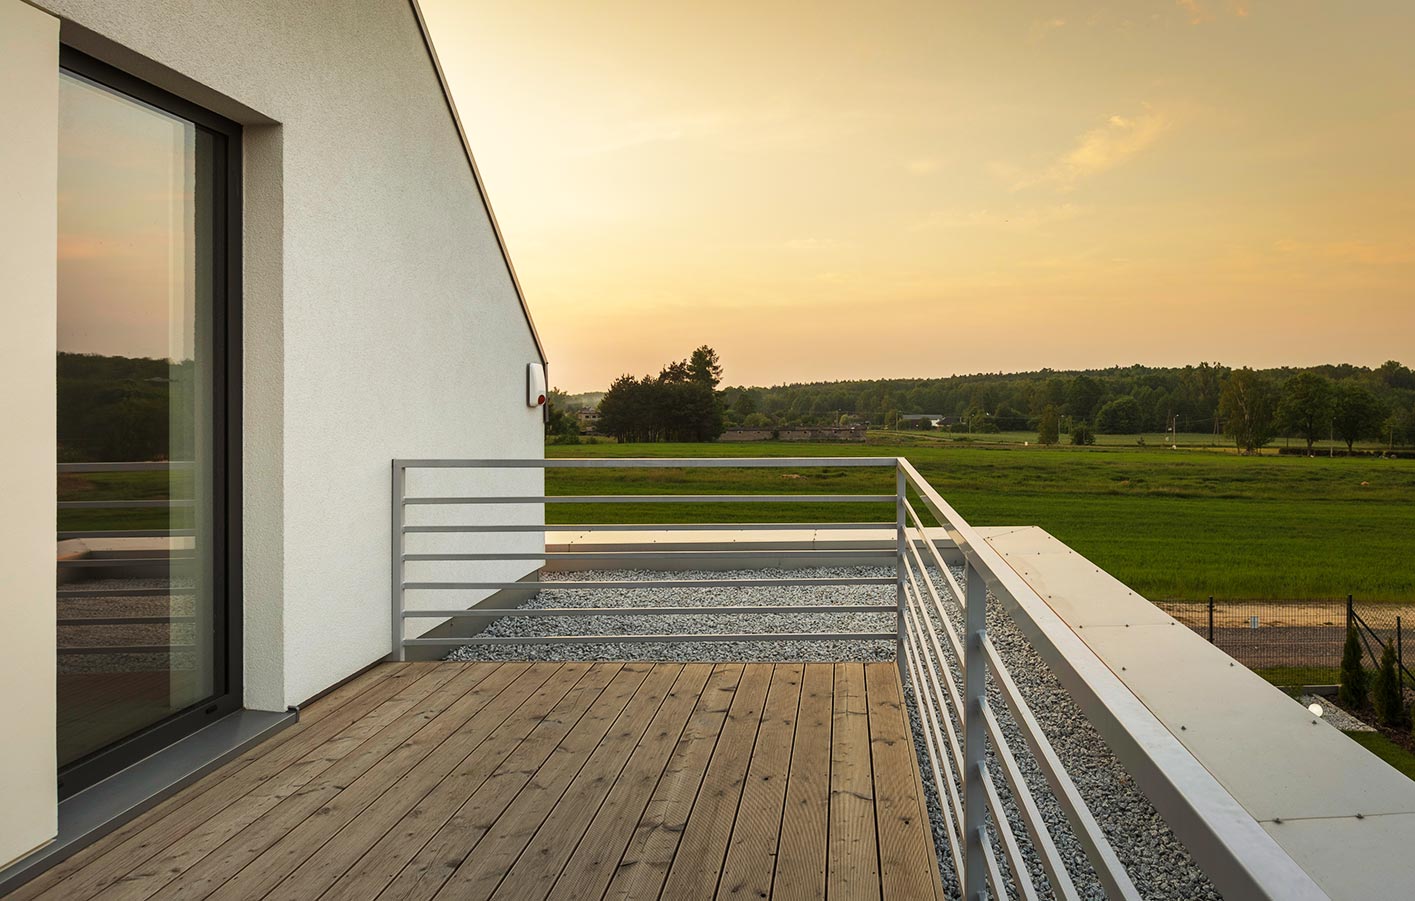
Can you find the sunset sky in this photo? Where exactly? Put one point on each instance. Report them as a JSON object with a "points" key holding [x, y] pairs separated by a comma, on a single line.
{"points": [[827, 191]]}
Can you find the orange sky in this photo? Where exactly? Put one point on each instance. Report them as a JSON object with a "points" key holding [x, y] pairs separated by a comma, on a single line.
{"points": [[827, 191]]}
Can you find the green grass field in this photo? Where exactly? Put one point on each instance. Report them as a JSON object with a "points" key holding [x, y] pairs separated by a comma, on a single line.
{"points": [[1386, 750], [1171, 524]]}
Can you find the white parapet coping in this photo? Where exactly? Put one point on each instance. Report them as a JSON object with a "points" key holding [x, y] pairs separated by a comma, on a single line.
{"points": [[1344, 816], [830, 547]]}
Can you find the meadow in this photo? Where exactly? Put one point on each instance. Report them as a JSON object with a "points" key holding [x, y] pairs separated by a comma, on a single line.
{"points": [[1170, 523], [1183, 524]]}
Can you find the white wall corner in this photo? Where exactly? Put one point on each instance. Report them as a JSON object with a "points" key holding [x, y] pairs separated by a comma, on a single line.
{"points": [[29, 107], [263, 418]]}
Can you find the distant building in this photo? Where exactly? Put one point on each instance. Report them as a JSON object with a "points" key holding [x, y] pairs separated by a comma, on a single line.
{"points": [[588, 421], [810, 433], [934, 419]]}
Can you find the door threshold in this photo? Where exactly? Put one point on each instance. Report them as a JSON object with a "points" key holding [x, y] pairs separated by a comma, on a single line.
{"points": [[96, 811]]}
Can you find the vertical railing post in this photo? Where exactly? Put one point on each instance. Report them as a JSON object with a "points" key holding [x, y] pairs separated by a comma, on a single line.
{"points": [[974, 750], [400, 472], [899, 563], [1399, 656], [1211, 619]]}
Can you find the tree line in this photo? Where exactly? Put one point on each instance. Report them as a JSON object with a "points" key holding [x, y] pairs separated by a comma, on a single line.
{"points": [[1253, 407]]}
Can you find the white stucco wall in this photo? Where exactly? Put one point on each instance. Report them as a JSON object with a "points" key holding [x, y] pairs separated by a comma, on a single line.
{"points": [[29, 107], [381, 323]]}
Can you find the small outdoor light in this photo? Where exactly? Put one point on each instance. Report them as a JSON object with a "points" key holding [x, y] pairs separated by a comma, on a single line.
{"points": [[1315, 708], [535, 384]]}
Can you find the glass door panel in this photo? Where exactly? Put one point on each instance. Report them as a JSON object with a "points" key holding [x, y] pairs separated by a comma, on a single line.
{"points": [[139, 601]]}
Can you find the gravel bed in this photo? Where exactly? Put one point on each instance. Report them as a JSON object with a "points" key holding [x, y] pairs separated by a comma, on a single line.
{"points": [[1157, 862], [1333, 714], [708, 623]]}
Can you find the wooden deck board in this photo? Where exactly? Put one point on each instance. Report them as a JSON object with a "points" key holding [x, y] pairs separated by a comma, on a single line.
{"points": [[801, 857], [852, 868], [542, 780], [751, 854], [906, 856]]}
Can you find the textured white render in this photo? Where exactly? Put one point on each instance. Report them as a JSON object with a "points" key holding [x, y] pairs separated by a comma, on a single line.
{"points": [[29, 107], [381, 319]]}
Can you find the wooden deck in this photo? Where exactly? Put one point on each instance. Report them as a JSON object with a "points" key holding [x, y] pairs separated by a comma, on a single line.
{"points": [[542, 780]]}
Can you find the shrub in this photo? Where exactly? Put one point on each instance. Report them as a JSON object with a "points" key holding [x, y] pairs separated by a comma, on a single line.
{"points": [[1352, 692], [1049, 429], [1386, 694], [1081, 434]]}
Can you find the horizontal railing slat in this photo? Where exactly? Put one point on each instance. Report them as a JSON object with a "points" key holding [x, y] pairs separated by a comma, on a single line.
{"points": [[654, 463], [653, 639], [784, 554], [514, 612], [648, 584], [655, 527], [655, 499]]}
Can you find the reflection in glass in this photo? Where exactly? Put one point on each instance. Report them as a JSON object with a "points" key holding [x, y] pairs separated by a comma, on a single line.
{"points": [[135, 420]]}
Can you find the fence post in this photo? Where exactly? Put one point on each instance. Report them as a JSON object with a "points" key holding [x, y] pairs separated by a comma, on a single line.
{"points": [[1211, 619], [1349, 612], [1399, 656], [974, 750], [899, 551], [396, 561]]}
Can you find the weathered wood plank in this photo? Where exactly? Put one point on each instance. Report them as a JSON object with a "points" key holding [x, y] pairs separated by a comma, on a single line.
{"points": [[145, 880], [464, 760], [698, 863], [751, 854], [801, 860], [213, 871], [369, 875], [568, 781], [584, 871], [425, 757], [99, 865], [650, 852], [496, 855], [430, 869], [908, 867], [852, 868]]}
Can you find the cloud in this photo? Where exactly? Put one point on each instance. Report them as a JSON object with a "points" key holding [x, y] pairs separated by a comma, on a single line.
{"points": [[813, 244], [1025, 219], [1042, 27], [923, 166], [657, 130], [1201, 12], [1098, 150]]}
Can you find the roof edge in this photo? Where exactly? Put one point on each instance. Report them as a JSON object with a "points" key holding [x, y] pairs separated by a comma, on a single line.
{"points": [[476, 175]]}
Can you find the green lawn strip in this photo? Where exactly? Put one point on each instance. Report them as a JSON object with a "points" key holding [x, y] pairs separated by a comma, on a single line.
{"points": [[119, 486], [1386, 750], [1299, 676], [1171, 524]]}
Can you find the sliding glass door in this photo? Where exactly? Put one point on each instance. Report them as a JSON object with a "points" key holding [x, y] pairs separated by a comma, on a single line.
{"points": [[146, 551]]}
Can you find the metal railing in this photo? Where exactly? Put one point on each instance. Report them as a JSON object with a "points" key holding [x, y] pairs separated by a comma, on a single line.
{"points": [[401, 557], [944, 654], [98, 567]]}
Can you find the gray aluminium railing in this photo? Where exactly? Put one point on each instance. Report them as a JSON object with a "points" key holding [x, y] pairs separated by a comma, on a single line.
{"points": [[123, 562], [401, 557], [948, 670]]}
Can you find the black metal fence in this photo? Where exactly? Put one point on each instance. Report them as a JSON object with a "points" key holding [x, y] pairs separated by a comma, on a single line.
{"points": [[1298, 642]]}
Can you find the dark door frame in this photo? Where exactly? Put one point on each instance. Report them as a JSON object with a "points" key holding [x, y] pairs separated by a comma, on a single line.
{"points": [[226, 443]]}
